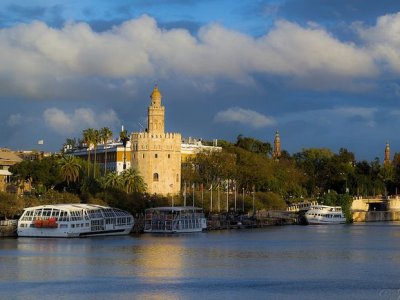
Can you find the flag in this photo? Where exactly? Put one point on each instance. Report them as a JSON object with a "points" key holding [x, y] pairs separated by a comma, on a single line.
{"points": [[40, 142]]}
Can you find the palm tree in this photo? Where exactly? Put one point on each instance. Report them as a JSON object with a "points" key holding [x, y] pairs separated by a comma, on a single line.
{"points": [[123, 136], [88, 140], [105, 135], [69, 167], [132, 181], [95, 141], [112, 180]]}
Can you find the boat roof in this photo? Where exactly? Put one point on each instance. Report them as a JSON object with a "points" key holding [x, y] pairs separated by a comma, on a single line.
{"points": [[174, 208], [72, 206]]}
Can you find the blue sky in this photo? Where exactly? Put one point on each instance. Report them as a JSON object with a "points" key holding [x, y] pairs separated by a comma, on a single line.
{"points": [[325, 73]]}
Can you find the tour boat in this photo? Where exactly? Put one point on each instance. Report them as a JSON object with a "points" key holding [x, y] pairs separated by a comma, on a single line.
{"points": [[322, 214], [178, 219], [73, 220]]}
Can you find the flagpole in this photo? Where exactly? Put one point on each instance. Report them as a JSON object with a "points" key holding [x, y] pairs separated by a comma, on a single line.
{"points": [[211, 201], [184, 196], [243, 201], [235, 195], [219, 200], [227, 197], [202, 196], [193, 194]]}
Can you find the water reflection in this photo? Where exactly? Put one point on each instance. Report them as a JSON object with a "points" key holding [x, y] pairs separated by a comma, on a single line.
{"points": [[277, 262]]}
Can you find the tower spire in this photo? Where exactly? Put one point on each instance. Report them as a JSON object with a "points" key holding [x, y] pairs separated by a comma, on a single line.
{"points": [[277, 146], [387, 154]]}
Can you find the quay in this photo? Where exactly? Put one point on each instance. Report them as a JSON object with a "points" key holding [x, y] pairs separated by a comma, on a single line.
{"points": [[376, 209], [8, 228], [223, 221]]}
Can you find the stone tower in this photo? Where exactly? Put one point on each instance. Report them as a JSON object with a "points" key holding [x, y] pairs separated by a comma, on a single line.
{"points": [[277, 146], [387, 154], [156, 154]]}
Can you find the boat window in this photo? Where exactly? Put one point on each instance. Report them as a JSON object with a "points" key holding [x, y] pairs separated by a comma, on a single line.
{"points": [[155, 177]]}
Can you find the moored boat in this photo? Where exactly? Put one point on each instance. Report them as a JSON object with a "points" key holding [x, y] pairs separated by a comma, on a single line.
{"points": [[73, 220], [178, 219], [323, 214]]}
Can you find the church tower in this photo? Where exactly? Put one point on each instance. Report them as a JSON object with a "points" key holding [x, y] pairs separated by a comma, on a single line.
{"points": [[157, 154], [277, 146], [155, 122], [387, 154]]}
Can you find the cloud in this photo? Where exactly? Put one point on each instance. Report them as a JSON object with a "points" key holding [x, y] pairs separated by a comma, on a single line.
{"points": [[82, 118], [365, 116], [244, 116], [382, 40], [41, 62], [15, 120]]}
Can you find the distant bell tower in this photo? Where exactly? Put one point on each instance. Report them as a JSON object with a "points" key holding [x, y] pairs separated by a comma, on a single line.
{"points": [[156, 113], [277, 146], [387, 154]]}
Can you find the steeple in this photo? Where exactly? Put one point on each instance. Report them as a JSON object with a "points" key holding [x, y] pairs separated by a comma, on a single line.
{"points": [[156, 113], [387, 154], [277, 146]]}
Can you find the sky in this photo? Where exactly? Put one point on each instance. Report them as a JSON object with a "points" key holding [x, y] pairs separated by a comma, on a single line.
{"points": [[325, 73]]}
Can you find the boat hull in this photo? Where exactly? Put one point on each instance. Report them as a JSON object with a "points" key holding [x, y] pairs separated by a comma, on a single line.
{"points": [[56, 233]]}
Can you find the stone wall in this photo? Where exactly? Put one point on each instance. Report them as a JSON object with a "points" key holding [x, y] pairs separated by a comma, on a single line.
{"points": [[376, 216]]}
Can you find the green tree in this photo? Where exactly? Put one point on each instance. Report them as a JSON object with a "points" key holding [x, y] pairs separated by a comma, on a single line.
{"points": [[123, 136], [88, 139], [112, 180], [69, 168], [132, 181], [105, 135]]}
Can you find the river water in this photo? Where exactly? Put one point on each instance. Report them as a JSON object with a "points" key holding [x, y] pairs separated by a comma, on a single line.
{"points": [[360, 261]]}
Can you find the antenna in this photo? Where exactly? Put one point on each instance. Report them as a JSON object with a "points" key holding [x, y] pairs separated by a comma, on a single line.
{"points": [[141, 126]]}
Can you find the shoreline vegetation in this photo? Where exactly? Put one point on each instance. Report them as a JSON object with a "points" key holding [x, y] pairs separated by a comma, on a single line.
{"points": [[244, 178]]}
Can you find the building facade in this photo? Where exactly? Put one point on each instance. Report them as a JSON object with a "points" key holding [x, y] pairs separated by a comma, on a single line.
{"points": [[116, 156], [157, 154], [7, 159]]}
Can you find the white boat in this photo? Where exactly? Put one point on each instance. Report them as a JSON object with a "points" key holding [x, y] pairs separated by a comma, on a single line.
{"points": [[178, 219], [73, 220], [322, 214]]}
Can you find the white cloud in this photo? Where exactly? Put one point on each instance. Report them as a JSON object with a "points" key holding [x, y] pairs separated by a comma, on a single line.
{"points": [[39, 61], [335, 116], [244, 116], [383, 40], [82, 118], [15, 120]]}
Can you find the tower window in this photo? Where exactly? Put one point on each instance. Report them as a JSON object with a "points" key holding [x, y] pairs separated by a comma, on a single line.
{"points": [[169, 155], [143, 156], [177, 177], [156, 155], [155, 177]]}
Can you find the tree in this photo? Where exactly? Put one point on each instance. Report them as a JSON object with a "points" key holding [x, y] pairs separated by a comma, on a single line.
{"points": [[88, 137], [112, 180], [105, 135], [69, 168], [123, 136], [95, 141], [132, 181]]}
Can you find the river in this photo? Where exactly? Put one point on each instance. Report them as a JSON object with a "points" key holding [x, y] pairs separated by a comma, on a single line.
{"points": [[360, 261]]}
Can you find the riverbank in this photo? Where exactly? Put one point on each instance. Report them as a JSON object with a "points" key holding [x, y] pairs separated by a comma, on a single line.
{"points": [[8, 228]]}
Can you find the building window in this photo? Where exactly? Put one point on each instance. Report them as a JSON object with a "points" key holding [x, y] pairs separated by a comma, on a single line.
{"points": [[143, 156], [133, 155], [169, 155], [156, 155], [155, 177], [177, 177]]}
